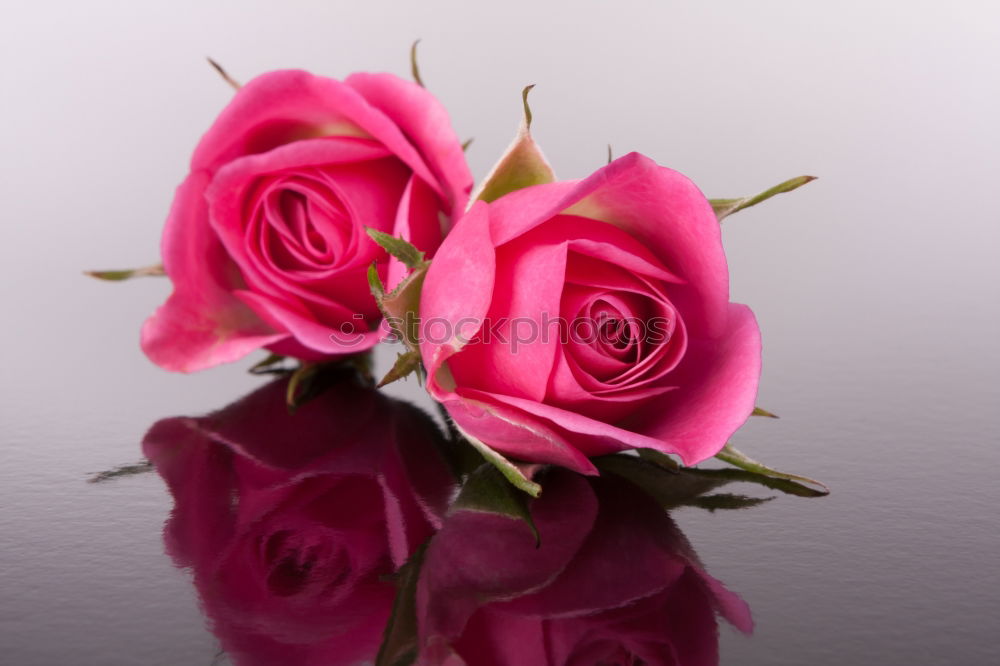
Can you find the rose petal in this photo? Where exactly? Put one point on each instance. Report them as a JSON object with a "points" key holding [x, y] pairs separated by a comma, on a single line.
{"points": [[202, 324], [717, 383], [426, 124]]}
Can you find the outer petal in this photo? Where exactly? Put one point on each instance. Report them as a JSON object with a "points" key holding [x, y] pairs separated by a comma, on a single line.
{"points": [[426, 124], [290, 105], [717, 383], [202, 324], [458, 290]]}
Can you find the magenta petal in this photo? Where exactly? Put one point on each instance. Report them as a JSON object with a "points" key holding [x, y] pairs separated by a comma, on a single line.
{"points": [[291, 105], [426, 124], [345, 337], [667, 213], [511, 431], [526, 299], [717, 383], [417, 222], [202, 324], [451, 310], [592, 437]]}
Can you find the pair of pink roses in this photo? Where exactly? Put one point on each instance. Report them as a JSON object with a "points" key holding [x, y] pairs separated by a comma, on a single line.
{"points": [[295, 528], [267, 247]]}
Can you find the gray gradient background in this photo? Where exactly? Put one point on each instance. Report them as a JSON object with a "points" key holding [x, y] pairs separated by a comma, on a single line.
{"points": [[876, 287]]}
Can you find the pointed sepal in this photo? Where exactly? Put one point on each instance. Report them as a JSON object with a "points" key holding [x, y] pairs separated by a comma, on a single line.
{"points": [[729, 454], [523, 165], [517, 475], [726, 207], [406, 364], [127, 274]]}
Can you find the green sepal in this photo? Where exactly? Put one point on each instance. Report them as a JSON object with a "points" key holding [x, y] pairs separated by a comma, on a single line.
{"points": [[269, 366], [403, 250], [729, 454], [486, 490], [522, 165], [414, 67], [406, 364], [726, 207], [128, 273], [510, 470], [760, 411], [399, 641]]}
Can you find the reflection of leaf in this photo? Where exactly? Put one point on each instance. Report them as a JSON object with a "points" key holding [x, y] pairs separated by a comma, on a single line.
{"points": [[690, 486], [399, 642], [731, 455], [668, 487], [486, 490], [727, 501], [726, 207], [122, 470]]}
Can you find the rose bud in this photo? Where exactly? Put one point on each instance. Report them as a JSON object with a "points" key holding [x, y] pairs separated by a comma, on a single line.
{"points": [[293, 525], [265, 243], [575, 319], [613, 581]]}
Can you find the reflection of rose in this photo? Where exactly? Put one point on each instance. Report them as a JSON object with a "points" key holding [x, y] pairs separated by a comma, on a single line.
{"points": [[597, 318], [266, 243], [291, 524], [613, 582]]}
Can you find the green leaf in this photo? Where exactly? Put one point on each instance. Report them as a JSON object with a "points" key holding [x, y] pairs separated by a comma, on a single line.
{"points": [[486, 490], [758, 411], [726, 207], [399, 248], [467, 143], [521, 166], [399, 641], [511, 471], [128, 273], [729, 454], [414, 67], [405, 364], [131, 469]]}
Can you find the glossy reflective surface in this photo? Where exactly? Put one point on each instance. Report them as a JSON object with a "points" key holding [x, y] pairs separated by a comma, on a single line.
{"points": [[876, 287]]}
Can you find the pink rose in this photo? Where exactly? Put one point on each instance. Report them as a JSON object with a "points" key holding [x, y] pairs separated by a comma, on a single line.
{"points": [[292, 525], [265, 242], [614, 581], [575, 319]]}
